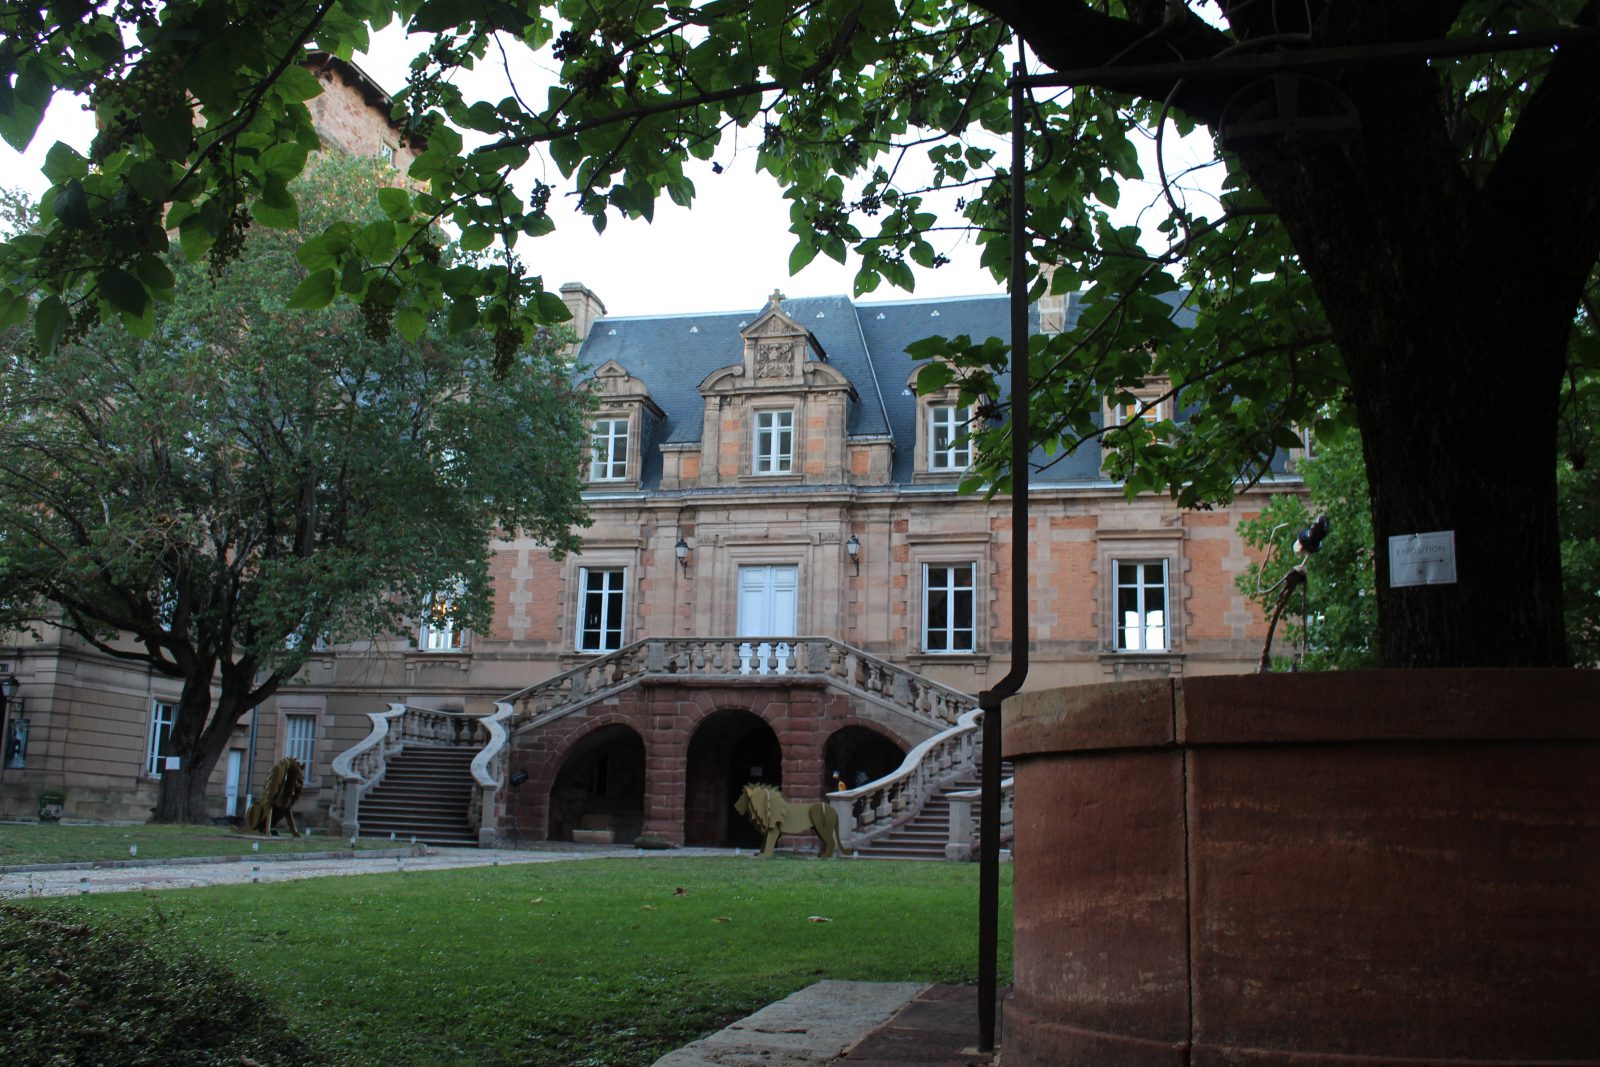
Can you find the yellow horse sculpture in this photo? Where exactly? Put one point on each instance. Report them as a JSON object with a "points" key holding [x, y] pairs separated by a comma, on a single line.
{"points": [[772, 815]]}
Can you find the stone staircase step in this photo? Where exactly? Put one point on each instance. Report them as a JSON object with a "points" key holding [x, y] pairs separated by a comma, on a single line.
{"points": [[924, 835], [425, 793]]}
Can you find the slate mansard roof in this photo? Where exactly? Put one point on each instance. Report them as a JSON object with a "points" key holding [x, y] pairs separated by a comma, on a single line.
{"points": [[673, 354]]}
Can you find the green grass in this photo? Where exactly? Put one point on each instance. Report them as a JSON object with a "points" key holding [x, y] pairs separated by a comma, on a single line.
{"points": [[596, 963], [54, 843]]}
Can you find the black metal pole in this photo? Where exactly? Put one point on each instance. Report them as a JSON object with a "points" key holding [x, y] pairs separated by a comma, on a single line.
{"points": [[990, 699]]}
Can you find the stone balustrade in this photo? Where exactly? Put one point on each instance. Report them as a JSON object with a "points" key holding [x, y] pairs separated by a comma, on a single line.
{"points": [[963, 843], [865, 812], [870, 810], [820, 658], [363, 765]]}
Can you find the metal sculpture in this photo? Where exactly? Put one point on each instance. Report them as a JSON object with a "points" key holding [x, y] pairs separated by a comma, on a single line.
{"points": [[285, 782], [772, 815]]}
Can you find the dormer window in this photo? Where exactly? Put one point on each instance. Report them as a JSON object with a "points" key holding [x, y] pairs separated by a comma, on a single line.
{"points": [[949, 447], [1149, 412], [774, 443], [609, 440], [1150, 403], [945, 426]]}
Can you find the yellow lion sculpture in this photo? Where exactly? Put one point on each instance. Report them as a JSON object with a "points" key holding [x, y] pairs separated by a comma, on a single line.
{"points": [[285, 782], [772, 815]]}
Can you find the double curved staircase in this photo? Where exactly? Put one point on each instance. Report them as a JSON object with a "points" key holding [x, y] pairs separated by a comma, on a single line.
{"points": [[405, 777]]}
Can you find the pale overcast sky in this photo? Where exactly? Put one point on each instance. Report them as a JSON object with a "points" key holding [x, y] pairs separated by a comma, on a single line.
{"points": [[727, 253]]}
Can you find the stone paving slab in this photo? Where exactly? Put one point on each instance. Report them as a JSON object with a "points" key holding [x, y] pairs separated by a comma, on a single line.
{"points": [[809, 1028], [937, 1029]]}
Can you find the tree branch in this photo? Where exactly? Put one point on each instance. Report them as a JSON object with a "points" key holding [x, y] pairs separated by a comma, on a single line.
{"points": [[1550, 167]]}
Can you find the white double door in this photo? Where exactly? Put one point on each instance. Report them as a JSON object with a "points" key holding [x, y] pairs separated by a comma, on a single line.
{"points": [[768, 596]]}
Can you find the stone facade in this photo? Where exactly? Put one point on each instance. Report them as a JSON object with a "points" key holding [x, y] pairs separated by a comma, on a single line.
{"points": [[687, 451], [812, 493]]}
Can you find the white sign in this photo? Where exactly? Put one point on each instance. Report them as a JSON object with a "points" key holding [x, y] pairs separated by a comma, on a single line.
{"points": [[172, 763], [1422, 559]]}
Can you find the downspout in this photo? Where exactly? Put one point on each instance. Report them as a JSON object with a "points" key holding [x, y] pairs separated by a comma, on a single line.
{"points": [[990, 699], [250, 761]]}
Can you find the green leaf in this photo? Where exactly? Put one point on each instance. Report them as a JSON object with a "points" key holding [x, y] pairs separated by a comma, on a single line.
{"points": [[410, 322], [13, 309], [934, 376], [283, 161], [122, 290], [22, 108], [552, 308], [476, 238], [154, 273], [463, 315], [49, 323], [801, 255], [395, 203], [195, 237], [71, 206], [315, 291], [276, 208], [63, 163], [170, 129], [376, 240], [297, 83]]}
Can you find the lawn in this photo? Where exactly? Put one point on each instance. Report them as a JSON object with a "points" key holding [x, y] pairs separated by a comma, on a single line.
{"points": [[54, 843], [596, 963]]}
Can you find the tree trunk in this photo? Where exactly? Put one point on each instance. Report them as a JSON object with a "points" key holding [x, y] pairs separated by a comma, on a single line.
{"points": [[181, 797], [1452, 318], [1468, 445]]}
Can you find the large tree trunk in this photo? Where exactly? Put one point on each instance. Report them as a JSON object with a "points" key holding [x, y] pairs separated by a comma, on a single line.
{"points": [[1465, 441], [1452, 315], [181, 797]]}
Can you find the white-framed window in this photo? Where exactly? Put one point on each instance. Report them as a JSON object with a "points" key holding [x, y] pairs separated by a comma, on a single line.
{"points": [[949, 447], [602, 601], [161, 717], [949, 606], [440, 630], [299, 733], [774, 445], [386, 152], [609, 441], [1140, 591]]}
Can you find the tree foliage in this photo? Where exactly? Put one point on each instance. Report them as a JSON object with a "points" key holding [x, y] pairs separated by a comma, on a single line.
{"points": [[1439, 242], [1335, 626], [214, 498]]}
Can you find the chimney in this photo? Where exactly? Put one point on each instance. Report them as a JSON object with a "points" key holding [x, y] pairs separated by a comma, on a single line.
{"points": [[584, 305]]}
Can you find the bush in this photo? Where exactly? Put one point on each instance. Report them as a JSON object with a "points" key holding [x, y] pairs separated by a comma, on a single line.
{"points": [[124, 991]]}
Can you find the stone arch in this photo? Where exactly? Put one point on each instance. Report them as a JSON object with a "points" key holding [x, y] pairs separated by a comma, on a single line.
{"points": [[600, 785], [859, 754], [730, 748]]}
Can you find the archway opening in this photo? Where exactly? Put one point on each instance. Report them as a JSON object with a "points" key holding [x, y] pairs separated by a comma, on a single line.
{"points": [[730, 749], [858, 755], [600, 786]]}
